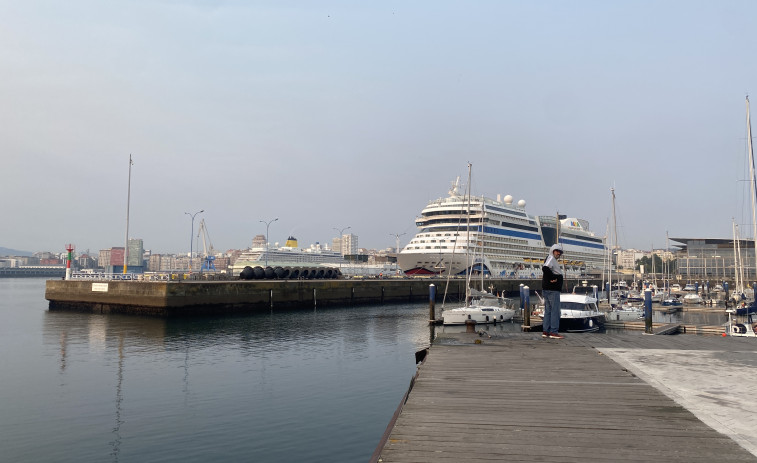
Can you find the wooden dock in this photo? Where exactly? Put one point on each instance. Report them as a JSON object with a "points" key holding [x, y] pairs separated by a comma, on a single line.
{"points": [[523, 398]]}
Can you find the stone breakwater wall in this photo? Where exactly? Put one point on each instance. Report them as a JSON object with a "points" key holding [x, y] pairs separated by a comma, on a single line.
{"points": [[172, 298]]}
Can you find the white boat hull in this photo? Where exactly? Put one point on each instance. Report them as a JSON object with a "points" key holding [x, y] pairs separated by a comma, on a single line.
{"points": [[579, 314], [481, 315], [624, 315]]}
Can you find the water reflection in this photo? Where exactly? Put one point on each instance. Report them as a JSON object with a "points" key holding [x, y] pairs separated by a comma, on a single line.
{"points": [[116, 443], [245, 375], [691, 317], [63, 343]]}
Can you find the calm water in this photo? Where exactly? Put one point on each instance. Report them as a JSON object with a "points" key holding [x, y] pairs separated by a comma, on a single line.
{"points": [[308, 385], [316, 386]]}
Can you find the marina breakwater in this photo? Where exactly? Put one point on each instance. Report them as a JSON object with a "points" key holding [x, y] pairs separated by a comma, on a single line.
{"points": [[177, 298]]}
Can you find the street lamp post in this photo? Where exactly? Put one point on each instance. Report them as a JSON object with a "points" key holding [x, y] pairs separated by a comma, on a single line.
{"points": [[191, 237], [341, 242], [267, 224], [397, 251]]}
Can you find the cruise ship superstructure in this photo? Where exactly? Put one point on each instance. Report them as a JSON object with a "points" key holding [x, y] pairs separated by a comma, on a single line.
{"points": [[500, 239], [288, 255]]}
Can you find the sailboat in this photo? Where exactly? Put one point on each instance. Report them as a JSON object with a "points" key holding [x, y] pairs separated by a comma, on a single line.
{"points": [[618, 311], [480, 306], [751, 308]]}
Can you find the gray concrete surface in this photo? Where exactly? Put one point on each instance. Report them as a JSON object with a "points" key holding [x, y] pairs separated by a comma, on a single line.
{"points": [[718, 386]]}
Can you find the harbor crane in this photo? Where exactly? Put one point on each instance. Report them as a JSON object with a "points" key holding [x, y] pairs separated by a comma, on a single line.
{"points": [[208, 252]]}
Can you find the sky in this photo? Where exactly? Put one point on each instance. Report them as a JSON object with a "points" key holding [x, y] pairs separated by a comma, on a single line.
{"points": [[335, 114]]}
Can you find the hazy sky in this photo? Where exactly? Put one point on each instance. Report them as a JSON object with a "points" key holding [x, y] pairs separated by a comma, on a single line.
{"points": [[329, 114]]}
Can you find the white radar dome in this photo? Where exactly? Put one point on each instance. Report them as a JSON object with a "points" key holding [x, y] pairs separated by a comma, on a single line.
{"points": [[522, 203], [508, 199]]}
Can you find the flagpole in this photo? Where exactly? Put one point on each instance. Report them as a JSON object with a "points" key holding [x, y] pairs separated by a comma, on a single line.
{"points": [[128, 200]]}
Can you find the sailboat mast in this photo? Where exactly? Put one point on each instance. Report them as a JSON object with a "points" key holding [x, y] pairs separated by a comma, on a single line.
{"points": [[738, 272], [467, 241], [666, 266], [654, 271], [752, 180], [614, 242], [481, 237]]}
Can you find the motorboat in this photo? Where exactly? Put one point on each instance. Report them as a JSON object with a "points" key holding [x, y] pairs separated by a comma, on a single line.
{"points": [[579, 313], [734, 328], [744, 308], [625, 312], [635, 296], [672, 302], [692, 298]]}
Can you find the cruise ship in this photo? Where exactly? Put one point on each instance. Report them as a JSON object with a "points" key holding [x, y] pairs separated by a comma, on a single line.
{"points": [[501, 239]]}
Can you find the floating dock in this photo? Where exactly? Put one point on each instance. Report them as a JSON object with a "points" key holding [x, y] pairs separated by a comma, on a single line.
{"points": [[586, 398]]}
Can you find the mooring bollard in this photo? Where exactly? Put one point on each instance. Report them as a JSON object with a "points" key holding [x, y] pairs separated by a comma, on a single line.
{"points": [[431, 303], [520, 292], [527, 306], [470, 326], [725, 293], [648, 311]]}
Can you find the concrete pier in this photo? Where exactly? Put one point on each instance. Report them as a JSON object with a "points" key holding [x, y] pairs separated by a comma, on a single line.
{"points": [[171, 298]]}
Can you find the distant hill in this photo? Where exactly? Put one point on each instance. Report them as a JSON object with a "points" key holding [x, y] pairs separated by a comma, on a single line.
{"points": [[13, 252]]}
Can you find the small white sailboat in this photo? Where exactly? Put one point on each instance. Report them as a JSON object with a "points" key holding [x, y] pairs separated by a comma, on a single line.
{"points": [[480, 306], [482, 309]]}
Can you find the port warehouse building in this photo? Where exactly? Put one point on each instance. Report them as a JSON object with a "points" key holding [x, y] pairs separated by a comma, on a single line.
{"points": [[714, 258]]}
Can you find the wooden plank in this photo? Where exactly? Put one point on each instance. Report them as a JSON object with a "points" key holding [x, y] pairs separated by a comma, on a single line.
{"points": [[672, 328]]}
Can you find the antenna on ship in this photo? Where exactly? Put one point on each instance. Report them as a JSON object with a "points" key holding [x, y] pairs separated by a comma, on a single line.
{"points": [[454, 189]]}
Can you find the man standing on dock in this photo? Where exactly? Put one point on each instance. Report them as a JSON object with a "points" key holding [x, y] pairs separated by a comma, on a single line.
{"points": [[551, 285]]}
